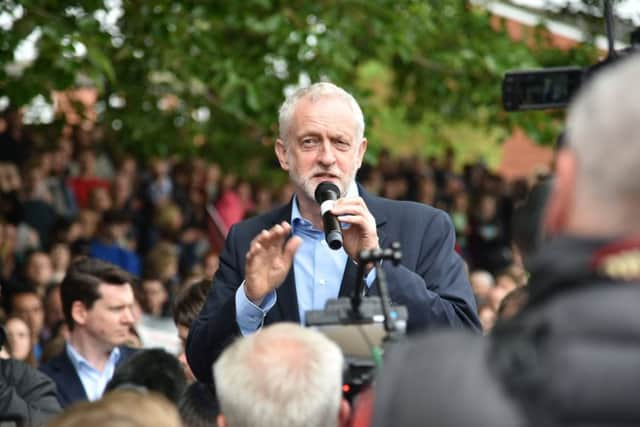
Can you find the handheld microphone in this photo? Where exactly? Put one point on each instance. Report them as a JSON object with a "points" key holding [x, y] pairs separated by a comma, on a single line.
{"points": [[326, 194]]}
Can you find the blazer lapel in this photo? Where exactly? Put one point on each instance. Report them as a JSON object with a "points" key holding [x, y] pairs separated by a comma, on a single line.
{"points": [[348, 279], [287, 298], [72, 389], [351, 270], [379, 214]]}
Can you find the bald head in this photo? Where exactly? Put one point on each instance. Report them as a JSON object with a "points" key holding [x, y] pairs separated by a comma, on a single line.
{"points": [[283, 375], [603, 129], [597, 186]]}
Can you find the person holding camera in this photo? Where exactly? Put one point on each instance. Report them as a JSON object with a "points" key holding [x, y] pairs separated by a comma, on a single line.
{"points": [[277, 266], [570, 357]]}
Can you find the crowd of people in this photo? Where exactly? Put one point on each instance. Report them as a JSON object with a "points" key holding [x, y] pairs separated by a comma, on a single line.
{"points": [[70, 198], [106, 258]]}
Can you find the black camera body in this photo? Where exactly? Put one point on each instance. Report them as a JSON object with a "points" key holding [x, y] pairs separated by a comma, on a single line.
{"points": [[551, 88], [359, 336], [540, 89], [340, 312], [361, 325]]}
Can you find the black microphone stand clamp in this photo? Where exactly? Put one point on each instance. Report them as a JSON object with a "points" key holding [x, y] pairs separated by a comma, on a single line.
{"points": [[376, 257]]}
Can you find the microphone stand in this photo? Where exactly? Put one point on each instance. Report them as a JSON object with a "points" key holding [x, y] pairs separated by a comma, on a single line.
{"points": [[375, 256], [359, 311]]}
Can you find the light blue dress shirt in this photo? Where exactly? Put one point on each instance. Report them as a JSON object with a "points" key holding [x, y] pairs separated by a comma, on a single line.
{"points": [[93, 381], [318, 273]]}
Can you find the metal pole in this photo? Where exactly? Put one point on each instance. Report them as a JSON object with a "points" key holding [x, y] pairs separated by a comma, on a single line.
{"points": [[609, 20]]}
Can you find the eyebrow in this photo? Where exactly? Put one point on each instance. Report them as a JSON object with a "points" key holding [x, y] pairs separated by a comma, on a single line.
{"points": [[332, 135], [120, 305]]}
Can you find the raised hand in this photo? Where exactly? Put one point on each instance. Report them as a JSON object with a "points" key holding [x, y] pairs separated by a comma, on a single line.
{"points": [[269, 260]]}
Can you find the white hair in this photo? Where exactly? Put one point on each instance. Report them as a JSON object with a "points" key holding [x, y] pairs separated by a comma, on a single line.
{"points": [[482, 277], [282, 376], [603, 129], [315, 92]]}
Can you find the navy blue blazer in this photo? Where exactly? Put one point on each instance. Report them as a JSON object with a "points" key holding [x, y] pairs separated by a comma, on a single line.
{"points": [[69, 387], [431, 280]]}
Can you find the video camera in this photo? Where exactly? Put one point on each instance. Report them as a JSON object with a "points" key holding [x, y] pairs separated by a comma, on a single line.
{"points": [[360, 325], [555, 87]]}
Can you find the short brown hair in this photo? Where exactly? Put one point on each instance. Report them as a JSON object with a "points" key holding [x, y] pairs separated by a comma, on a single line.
{"points": [[189, 302], [82, 280], [121, 408]]}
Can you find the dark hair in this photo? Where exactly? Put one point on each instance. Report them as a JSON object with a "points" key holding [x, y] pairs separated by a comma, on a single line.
{"points": [[189, 302], [83, 279], [513, 302], [115, 217], [13, 289], [29, 254], [198, 405], [50, 289], [155, 370], [527, 219]]}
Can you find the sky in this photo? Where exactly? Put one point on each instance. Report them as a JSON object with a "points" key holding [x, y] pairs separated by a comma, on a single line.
{"points": [[625, 9]]}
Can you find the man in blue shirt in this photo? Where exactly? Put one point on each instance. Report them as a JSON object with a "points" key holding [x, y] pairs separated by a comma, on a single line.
{"points": [[276, 266], [108, 244], [97, 300]]}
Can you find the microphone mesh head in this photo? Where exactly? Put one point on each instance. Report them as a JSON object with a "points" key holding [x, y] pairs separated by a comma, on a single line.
{"points": [[326, 187]]}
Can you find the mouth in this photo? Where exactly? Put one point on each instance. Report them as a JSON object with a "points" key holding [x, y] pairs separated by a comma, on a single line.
{"points": [[327, 176]]}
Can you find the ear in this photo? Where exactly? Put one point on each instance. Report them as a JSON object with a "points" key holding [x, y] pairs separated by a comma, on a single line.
{"points": [[79, 313], [361, 150], [344, 413], [560, 201], [281, 153], [221, 421]]}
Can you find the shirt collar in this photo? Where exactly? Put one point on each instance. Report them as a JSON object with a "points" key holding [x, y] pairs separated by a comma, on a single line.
{"points": [[297, 219], [78, 360]]}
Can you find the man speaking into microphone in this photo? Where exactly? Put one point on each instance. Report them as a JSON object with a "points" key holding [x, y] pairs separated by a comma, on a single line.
{"points": [[278, 265]]}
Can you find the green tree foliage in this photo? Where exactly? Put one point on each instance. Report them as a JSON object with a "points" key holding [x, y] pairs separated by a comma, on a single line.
{"points": [[207, 78]]}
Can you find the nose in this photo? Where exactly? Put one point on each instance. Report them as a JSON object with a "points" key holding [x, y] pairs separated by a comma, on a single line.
{"points": [[326, 156], [127, 317]]}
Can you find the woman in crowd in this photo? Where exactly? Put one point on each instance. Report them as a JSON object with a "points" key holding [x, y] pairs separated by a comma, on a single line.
{"points": [[19, 340]]}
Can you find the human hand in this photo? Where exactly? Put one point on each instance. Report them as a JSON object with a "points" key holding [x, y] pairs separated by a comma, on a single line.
{"points": [[362, 233], [269, 260]]}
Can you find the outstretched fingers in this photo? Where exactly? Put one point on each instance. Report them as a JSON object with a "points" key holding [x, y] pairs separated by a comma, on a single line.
{"points": [[269, 260]]}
